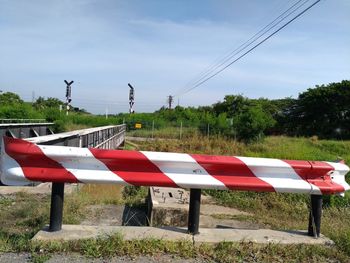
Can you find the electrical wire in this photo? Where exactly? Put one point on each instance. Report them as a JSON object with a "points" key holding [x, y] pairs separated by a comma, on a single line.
{"points": [[249, 50], [223, 59]]}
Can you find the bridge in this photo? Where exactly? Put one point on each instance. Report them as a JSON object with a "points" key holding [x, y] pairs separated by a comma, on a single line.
{"points": [[25, 128]]}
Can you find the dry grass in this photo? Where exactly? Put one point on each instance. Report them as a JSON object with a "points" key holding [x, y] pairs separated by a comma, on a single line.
{"points": [[103, 193]]}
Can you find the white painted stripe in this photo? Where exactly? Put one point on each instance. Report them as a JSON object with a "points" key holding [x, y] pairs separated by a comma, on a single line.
{"points": [[338, 175], [280, 175], [343, 169], [184, 170], [11, 171], [82, 164]]}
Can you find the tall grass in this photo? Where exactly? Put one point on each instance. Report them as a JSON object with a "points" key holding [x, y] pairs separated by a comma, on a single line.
{"points": [[281, 147], [165, 133]]}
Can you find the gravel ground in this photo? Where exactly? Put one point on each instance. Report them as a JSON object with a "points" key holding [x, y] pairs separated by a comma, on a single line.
{"points": [[14, 257]]}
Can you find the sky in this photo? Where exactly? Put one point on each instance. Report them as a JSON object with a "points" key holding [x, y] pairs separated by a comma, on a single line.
{"points": [[161, 46]]}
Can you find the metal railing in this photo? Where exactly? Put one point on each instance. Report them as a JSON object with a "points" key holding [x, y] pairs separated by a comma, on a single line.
{"points": [[105, 137]]}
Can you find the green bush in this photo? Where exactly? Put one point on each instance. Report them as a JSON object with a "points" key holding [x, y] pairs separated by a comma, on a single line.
{"points": [[19, 111], [251, 124]]}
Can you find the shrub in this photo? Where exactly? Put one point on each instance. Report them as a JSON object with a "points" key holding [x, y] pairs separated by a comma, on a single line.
{"points": [[251, 124]]}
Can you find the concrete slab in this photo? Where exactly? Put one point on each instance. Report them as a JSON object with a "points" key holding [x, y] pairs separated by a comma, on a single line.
{"points": [[211, 209], [75, 232], [262, 236], [207, 235]]}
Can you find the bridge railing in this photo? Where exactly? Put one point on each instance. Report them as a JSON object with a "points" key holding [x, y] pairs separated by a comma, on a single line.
{"points": [[24, 161], [25, 130], [105, 137]]}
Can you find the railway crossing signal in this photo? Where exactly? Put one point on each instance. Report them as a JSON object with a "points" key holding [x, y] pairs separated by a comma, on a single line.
{"points": [[131, 98], [68, 94]]}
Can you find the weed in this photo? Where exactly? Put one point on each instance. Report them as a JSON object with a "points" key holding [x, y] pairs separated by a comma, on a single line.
{"points": [[135, 195], [40, 258]]}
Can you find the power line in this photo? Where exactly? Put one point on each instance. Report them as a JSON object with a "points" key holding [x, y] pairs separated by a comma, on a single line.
{"points": [[223, 59], [251, 49]]}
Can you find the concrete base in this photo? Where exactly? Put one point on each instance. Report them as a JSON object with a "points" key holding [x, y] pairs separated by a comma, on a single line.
{"points": [[261, 236], [207, 235], [76, 232]]}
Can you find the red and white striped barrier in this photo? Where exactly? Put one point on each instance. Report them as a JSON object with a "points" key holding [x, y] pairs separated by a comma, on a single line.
{"points": [[23, 162]]}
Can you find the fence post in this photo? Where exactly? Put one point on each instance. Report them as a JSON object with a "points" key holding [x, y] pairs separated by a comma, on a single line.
{"points": [[208, 130], [315, 216], [56, 210], [152, 129], [180, 130], [193, 216]]}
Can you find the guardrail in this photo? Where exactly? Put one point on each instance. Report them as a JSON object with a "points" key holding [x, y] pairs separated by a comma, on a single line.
{"points": [[24, 161]]}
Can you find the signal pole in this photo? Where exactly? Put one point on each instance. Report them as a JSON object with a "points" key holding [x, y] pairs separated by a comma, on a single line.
{"points": [[68, 94], [170, 101], [131, 98]]}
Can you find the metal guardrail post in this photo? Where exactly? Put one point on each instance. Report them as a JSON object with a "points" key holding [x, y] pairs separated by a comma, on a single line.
{"points": [[315, 216], [56, 210], [193, 216]]}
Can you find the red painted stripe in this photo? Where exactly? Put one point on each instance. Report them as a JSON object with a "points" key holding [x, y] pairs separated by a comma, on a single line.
{"points": [[35, 164], [231, 171], [316, 173], [133, 167]]}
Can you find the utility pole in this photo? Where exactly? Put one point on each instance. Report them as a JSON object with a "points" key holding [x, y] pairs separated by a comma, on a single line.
{"points": [[131, 98], [170, 101], [68, 94]]}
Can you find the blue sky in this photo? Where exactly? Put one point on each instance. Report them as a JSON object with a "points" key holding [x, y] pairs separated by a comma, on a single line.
{"points": [[159, 46]]}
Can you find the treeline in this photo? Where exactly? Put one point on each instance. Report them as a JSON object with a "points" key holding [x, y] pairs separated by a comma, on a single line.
{"points": [[323, 111]]}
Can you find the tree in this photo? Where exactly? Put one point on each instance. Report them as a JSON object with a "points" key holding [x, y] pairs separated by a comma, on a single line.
{"points": [[251, 123], [232, 105], [9, 98], [323, 111], [42, 103]]}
